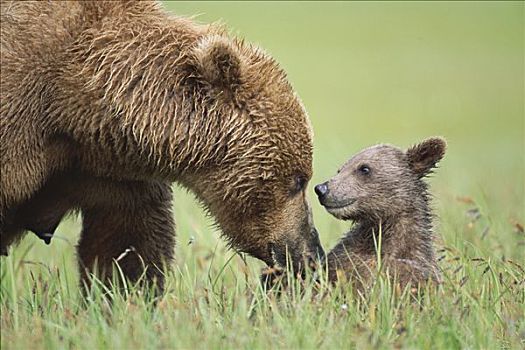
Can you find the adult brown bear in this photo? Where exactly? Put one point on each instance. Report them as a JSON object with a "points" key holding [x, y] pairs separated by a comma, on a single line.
{"points": [[105, 104]]}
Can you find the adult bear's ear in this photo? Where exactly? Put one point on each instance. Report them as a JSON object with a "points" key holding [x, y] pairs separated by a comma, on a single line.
{"points": [[219, 62], [423, 157]]}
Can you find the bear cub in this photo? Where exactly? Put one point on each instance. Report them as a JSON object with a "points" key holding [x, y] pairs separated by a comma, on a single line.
{"points": [[382, 190]]}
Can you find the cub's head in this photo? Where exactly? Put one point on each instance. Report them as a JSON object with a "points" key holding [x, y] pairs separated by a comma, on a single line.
{"points": [[381, 182], [258, 148]]}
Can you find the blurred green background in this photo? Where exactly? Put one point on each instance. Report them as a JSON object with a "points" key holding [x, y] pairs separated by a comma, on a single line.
{"points": [[391, 72]]}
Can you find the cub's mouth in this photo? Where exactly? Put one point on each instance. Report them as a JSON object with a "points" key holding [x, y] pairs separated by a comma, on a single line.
{"points": [[339, 205], [341, 210]]}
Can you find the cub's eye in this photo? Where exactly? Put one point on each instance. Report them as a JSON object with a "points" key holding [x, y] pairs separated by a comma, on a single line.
{"points": [[364, 169], [299, 184]]}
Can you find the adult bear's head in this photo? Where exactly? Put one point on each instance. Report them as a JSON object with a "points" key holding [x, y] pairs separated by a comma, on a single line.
{"points": [[250, 151]]}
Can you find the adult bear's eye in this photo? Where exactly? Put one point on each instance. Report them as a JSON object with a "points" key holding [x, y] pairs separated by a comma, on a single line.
{"points": [[299, 184], [364, 169]]}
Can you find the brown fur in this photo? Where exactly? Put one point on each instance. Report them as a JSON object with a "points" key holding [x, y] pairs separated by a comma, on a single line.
{"points": [[389, 201], [104, 104]]}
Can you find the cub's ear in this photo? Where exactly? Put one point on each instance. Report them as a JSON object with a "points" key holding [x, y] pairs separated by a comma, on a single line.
{"points": [[219, 62], [423, 157]]}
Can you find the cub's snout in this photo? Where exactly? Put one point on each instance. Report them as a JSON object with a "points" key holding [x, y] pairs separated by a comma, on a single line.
{"points": [[322, 191], [336, 195], [330, 199]]}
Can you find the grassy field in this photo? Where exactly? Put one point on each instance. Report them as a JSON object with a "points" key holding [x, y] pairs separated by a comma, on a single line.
{"points": [[367, 72]]}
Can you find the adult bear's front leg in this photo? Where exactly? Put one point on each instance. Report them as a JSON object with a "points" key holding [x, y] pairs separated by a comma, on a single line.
{"points": [[130, 224]]}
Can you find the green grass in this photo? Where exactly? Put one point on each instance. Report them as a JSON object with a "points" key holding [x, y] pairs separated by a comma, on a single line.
{"points": [[367, 72]]}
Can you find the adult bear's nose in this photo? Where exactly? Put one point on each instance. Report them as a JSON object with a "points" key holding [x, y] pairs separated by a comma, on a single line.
{"points": [[321, 190]]}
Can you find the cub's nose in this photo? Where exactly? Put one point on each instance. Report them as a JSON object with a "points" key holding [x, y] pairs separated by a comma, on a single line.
{"points": [[321, 190]]}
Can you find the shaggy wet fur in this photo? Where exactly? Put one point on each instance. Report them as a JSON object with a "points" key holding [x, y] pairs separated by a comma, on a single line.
{"points": [[382, 190], [105, 104]]}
